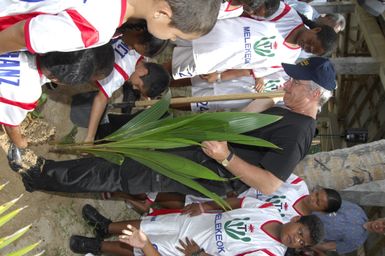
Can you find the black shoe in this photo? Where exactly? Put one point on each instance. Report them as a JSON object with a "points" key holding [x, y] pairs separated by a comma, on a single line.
{"points": [[82, 244], [98, 221]]}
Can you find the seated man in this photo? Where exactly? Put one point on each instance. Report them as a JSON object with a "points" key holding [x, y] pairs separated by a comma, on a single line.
{"points": [[264, 169], [24, 74], [255, 227]]}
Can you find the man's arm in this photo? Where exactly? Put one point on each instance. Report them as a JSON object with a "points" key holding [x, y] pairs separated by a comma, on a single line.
{"points": [[98, 107], [227, 75], [15, 136], [12, 38], [252, 175]]}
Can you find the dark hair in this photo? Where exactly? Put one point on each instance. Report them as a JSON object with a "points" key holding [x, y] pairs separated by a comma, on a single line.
{"points": [[315, 226], [309, 23], [104, 59], [334, 200], [271, 6], [156, 80], [197, 16], [78, 67], [152, 45], [328, 38]]}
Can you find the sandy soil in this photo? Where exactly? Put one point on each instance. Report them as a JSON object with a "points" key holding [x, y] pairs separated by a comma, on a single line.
{"points": [[54, 217]]}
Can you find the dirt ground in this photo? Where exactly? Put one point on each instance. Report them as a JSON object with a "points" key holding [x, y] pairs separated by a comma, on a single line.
{"points": [[54, 217]]}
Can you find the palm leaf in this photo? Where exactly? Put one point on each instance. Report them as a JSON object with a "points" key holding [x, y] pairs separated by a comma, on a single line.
{"points": [[158, 142], [3, 185], [112, 157], [24, 250], [8, 205], [145, 117], [176, 164], [183, 180], [9, 239], [4, 219]]}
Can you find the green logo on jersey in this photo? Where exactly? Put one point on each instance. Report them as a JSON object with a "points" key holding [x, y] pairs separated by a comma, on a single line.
{"points": [[279, 203], [265, 46], [272, 85], [237, 229]]}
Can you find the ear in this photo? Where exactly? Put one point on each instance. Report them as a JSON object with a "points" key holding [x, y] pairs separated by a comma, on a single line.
{"points": [[316, 94], [162, 9], [316, 29], [295, 219]]}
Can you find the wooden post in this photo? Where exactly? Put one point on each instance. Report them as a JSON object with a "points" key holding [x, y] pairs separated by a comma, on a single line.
{"points": [[334, 7]]}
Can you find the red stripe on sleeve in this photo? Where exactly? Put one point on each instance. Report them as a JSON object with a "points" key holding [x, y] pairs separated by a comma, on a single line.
{"points": [[283, 13], [8, 21], [123, 12], [297, 180], [102, 89], [27, 37], [121, 72], [89, 34], [157, 212], [26, 106], [266, 205]]}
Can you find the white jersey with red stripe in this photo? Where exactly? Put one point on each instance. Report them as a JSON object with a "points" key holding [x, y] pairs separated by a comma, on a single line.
{"points": [[20, 86], [287, 21], [226, 11], [125, 62], [56, 25], [237, 232], [285, 198], [237, 43]]}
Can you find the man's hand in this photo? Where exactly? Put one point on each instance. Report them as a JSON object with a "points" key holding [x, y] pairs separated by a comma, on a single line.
{"points": [[376, 226], [217, 150], [190, 248], [259, 84], [134, 237]]}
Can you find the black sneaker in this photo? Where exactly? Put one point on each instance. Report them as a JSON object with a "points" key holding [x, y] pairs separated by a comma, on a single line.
{"points": [[83, 245], [98, 221]]}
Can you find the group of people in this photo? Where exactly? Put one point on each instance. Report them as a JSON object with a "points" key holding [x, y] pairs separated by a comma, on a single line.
{"points": [[220, 46]]}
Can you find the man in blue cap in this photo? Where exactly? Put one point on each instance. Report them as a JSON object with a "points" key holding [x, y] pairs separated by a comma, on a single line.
{"points": [[262, 168]]}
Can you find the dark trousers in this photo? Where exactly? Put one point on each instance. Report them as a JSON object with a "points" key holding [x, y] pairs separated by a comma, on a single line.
{"points": [[98, 175]]}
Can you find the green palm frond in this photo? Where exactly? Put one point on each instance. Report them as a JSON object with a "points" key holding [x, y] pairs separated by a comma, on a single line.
{"points": [[9, 204], [142, 136], [4, 219], [4, 241], [25, 250]]}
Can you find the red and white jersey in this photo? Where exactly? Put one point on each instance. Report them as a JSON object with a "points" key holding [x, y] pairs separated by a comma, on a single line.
{"points": [[56, 25], [125, 62], [226, 11], [285, 198], [237, 232], [237, 43], [20, 86]]}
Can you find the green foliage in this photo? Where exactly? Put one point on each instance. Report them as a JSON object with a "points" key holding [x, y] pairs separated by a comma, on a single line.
{"points": [[4, 218], [142, 136]]}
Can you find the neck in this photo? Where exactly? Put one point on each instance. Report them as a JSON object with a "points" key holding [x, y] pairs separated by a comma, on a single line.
{"points": [[137, 9], [303, 206], [293, 37], [310, 111]]}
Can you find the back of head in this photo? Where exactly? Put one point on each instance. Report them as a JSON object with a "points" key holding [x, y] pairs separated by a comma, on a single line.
{"points": [[152, 45], [271, 6], [334, 200], [78, 67], [156, 81], [104, 61], [261, 7], [315, 226], [197, 16], [328, 38]]}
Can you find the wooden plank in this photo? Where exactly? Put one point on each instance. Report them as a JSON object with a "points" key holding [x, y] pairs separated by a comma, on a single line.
{"points": [[334, 7], [356, 65]]}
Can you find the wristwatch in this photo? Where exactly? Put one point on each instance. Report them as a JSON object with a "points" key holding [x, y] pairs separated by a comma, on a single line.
{"points": [[228, 159]]}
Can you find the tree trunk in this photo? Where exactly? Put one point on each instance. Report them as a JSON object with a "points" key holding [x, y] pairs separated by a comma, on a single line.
{"points": [[343, 168]]}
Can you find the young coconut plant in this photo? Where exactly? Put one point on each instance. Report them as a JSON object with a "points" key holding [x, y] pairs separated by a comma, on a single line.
{"points": [[4, 218], [145, 137]]}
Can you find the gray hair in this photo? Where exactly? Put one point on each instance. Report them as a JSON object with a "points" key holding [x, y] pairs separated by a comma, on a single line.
{"points": [[338, 18], [324, 93]]}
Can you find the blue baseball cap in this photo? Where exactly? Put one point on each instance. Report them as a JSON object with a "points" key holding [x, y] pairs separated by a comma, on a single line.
{"points": [[317, 69]]}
